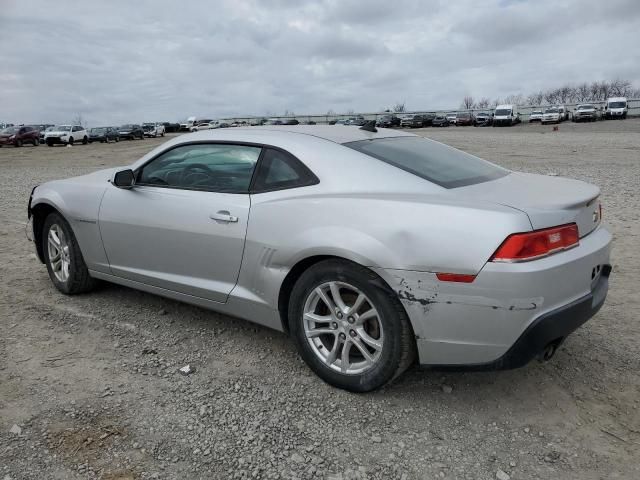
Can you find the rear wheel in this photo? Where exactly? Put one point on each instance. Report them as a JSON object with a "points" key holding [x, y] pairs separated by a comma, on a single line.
{"points": [[85, 140], [36, 142], [17, 143], [349, 327], [63, 257], [71, 141]]}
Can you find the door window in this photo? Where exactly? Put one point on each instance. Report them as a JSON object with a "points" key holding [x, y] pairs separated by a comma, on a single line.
{"points": [[208, 167]]}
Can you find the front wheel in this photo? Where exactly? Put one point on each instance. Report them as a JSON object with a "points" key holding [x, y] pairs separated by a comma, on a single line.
{"points": [[349, 326], [85, 140], [71, 141], [63, 257], [17, 143]]}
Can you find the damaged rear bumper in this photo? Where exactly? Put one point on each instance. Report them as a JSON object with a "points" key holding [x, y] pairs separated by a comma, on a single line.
{"points": [[511, 312]]}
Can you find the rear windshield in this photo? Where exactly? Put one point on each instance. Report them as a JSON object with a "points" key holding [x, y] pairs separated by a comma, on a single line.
{"points": [[433, 161]]}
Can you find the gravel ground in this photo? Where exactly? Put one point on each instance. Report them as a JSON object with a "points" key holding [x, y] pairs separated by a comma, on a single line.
{"points": [[89, 385]]}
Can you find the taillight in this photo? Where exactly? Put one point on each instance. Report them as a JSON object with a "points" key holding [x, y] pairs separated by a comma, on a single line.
{"points": [[521, 247]]}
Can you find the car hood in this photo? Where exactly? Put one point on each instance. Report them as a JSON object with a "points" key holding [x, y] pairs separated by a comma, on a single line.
{"points": [[547, 200]]}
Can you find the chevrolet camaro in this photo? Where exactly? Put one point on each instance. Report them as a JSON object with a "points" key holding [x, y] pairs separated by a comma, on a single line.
{"points": [[374, 249]]}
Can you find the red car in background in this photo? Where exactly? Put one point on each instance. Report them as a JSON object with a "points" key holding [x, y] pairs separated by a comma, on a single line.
{"points": [[18, 136], [464, 119]]}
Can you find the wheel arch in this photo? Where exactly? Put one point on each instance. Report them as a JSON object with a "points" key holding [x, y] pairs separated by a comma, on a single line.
{"points": [[40, 212], [302, 265]]}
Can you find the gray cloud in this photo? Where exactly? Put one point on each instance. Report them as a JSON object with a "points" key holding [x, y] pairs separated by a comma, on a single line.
{"points": [[121, 61]]}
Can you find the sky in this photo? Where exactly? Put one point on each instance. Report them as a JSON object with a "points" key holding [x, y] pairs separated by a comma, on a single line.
{"points": [[122, 61]]}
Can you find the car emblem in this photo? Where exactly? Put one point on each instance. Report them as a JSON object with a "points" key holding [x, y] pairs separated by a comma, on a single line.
{"points": [[595, 216]]}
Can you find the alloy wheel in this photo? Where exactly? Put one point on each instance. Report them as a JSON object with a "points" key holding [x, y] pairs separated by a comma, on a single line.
{"points": [[58, 249], [343, 328]]}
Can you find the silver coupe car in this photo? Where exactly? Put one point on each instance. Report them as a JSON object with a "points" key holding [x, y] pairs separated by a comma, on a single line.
{"points": [[372, 248]]}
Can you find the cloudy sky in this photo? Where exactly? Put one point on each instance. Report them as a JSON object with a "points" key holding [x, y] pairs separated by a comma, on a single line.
{"points": [[131, 61]]}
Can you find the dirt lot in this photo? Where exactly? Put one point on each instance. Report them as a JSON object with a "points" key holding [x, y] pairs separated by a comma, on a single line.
{"points": [[89, 388]]}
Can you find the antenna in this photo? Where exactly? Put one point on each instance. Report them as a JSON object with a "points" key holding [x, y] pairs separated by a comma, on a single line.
{"points": [[370, 126]]}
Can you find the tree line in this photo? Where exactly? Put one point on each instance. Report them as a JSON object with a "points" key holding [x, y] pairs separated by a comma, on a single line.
{"points": [[568, 93]]}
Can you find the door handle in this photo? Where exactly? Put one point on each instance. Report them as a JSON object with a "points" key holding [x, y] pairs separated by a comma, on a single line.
{"points": [[223, 216]]}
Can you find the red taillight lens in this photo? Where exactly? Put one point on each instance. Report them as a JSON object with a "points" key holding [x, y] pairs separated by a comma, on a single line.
{"points": [[520, 247]]}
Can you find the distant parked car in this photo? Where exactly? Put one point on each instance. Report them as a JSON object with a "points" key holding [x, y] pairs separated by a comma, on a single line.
{"points": [[18, 136], [66, 135], [43, 132], [342, 121], [482, 119], [42, 127], [291, 121], [506, 115], [464, 119], [412, 121], [171, 127], [585, 112], [616, 107], [535, 116], [452, 118], [153, 129], [427, 119], [551, 115], [131, 132], [103, 135], [440, 121], [388, 121], [564, 112]]}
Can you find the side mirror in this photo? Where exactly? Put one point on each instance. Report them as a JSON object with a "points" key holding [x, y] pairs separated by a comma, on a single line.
{"points": [[124, 179]]}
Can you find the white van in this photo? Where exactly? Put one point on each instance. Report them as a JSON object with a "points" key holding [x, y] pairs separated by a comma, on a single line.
{"points": [[186, 127], [564, 112], [506, 115], [616, 107]]}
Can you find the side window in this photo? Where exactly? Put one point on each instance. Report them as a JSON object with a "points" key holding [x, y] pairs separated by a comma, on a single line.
{"points": [[208, 167], [279, 170]]}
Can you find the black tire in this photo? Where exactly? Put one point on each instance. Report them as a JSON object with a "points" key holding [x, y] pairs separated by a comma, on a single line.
{"points": [[117, 139], [17, 143], [70, 140], [36, 142], [49, 143], [398, 350], [85, 140], [79, 280]]}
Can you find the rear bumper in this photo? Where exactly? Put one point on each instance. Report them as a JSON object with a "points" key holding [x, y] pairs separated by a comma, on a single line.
{"points": [[491, 322], [550, 329]]}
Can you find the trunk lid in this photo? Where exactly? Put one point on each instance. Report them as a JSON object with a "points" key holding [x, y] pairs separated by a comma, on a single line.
{"points": [[547, 201]]}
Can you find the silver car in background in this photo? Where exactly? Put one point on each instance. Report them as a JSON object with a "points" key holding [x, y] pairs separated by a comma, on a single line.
{"points": [[373, 248]]}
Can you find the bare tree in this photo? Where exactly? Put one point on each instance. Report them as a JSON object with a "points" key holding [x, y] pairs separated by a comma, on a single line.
{"points": [[582, 92], [289, 113], [330, 112], [78, 120], [484, 102], [468, 102], [620, 88], [535, 98], [351, 111], [399, 107]]}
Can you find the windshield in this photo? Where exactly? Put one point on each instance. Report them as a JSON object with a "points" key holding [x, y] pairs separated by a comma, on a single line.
{"points": [[433, 161], [551, 110], [536, 112], [98, 130], [503, 112], [585, 107], [63, 128], [126, 127], [463, 115], [10, 130], [617, 104]]}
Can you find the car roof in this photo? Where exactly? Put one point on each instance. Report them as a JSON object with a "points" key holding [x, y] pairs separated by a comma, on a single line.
{"points": [[338, 134]]}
